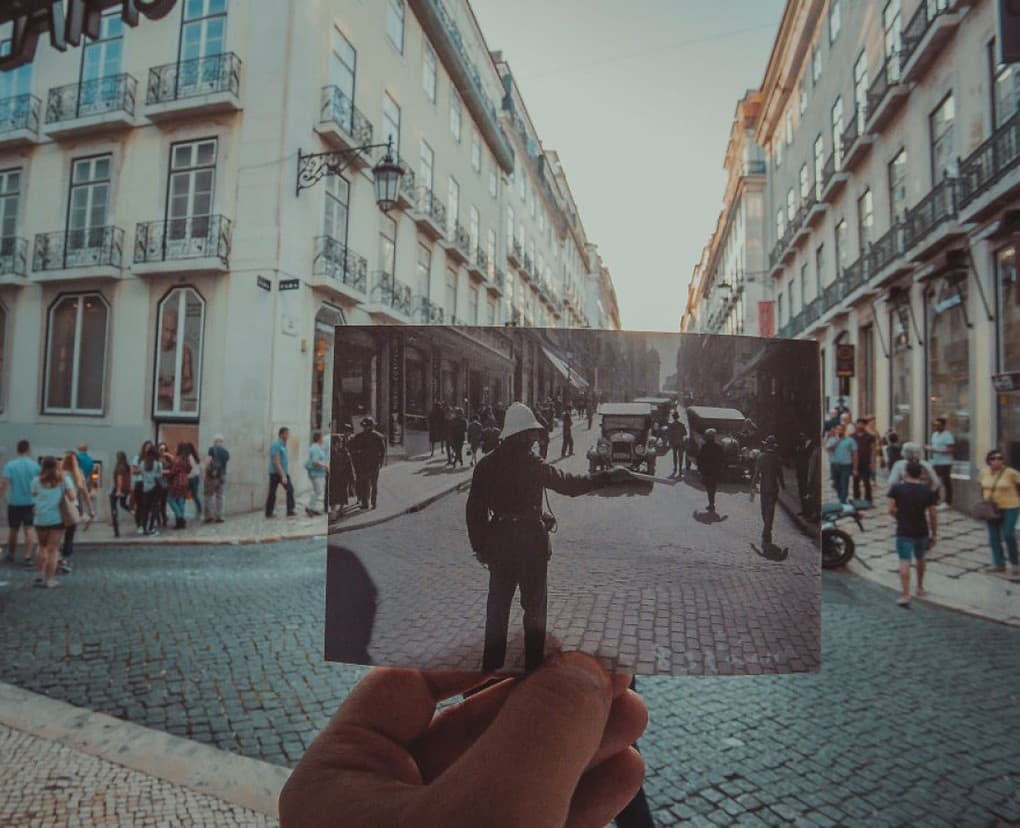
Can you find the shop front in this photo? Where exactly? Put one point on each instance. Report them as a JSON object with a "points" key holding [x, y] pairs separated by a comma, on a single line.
{"points": [[900, 374], [356, 380], [1007, 379], [948, 358]]}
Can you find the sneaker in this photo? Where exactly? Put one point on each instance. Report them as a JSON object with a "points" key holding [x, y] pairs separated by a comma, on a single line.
{"points": [[154, 533], [996, 568], [52, 583], [139, 531], [903, 602], [64, 567]]}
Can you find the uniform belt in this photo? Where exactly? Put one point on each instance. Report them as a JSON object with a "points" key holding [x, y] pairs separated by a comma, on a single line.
{"points": [[525, 517]]}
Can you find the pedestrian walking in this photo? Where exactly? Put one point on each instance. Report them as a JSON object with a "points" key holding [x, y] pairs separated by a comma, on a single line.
{"points": [[194, 477], [215, 482], [341, 471], [120, 491], [166, 459], [710, 463], [864, 470], [842, 450], [999, 485], [152, 486], [437, 425], [893, 449], [137, 491], [475, 430], [912, 504], [509, 532], [676, 436], [87, 464], [568, 434], [943, 451], [50, 491], [316, 466], [912, 451], [177, 477], [768, 477], [279, 474], [368, 453], [71, 470], [16, 483], [543, 437], [456, 435]]}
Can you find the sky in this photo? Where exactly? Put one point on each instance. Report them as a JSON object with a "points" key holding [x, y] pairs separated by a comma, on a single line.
{"points": [[638, 99]]}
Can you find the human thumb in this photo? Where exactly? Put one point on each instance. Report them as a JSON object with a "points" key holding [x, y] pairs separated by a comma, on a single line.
{"points": [[525, 767]]}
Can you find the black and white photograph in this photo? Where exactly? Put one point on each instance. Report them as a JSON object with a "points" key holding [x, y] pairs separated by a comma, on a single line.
{"points": [[500, 494]]}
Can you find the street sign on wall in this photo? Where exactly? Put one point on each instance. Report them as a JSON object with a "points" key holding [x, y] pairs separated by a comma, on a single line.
{"points": [[844, 361]]}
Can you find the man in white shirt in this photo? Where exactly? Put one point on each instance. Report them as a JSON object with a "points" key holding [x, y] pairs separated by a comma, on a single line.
{"points": [[943, 448]]}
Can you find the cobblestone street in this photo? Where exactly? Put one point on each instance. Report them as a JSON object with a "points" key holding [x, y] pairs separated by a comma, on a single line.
{"points": [[912, 719]]}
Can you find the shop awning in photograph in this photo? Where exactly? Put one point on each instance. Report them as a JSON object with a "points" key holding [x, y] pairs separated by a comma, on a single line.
{"points": [[569, 374]]}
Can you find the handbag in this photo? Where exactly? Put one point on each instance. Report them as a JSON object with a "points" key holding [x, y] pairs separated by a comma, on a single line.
{"points": [[986, 509], [69, 513]]}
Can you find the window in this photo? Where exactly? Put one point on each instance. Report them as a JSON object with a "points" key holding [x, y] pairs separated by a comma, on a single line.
{"points": [[336, 208], [456, 114], [429, 71], [101, 59], [898, 186], [802, 104], [788, 128], [395, 23], [473, 304], [342, 70], [779, 308], [532, 202], [942, 139], [76, 355], [490, 251], [837, 133], [10, 195], [388, 246], [861, 91], [391, 122], [835, 19], [803, 285], [88, 205], [179, 354], [203, 30], [819, 269], [190, 196], [892, 25], [780, 223], [789, 297], [476, 152], [777, 147], [819, 150], [452, 204], [791, 205], [841, 247], [522, 184], [816, 65], [491, 318], [423, 270], [805, 182], [473, 231], [509, 227], [13, 82], [865, 220], [451, 292], [426, 161], [493, 177]]}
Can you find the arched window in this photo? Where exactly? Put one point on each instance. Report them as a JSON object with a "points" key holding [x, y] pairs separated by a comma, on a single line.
{"points": [[178, 375], [76, 354], [326, 321]]}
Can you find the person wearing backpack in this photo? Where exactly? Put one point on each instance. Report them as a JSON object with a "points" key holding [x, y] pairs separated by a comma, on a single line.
{"points": [[215, 480]]}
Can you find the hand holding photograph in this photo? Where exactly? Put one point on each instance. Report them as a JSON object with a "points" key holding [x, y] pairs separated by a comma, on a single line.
{"points": [[500, 494]]}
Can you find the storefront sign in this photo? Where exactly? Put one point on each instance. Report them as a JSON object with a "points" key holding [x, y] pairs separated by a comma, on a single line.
{"points": [[1004, 383], [396, 378], [844, 360], [66, 21]]}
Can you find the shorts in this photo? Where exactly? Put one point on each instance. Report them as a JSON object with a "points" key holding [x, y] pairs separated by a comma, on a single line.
{"points": [[18, 516], [46, 533], [908, 548]]}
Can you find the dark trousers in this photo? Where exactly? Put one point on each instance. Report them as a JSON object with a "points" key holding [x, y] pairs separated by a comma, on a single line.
{"points": [[68, 548], [678, 459], [193, 488], [524, 566], [117, 502], [945, 474], [147, 508], [841, 480], [711, 482], [543, 448], [864, 477], [456, 453], [274, 481], [366, 484], [768, 514], [139, 497], [568, 443]]}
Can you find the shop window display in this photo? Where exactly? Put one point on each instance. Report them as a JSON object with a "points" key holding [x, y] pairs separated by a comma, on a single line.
{"points": [[949, 366], [1009, 352], [900, 378]]}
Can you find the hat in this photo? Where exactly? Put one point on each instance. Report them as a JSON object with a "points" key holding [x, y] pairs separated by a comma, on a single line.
{"points": [[519, 418], [367, 422]]}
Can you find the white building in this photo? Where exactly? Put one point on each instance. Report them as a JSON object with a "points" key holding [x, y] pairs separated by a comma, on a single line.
{"points": [[165, 271]]}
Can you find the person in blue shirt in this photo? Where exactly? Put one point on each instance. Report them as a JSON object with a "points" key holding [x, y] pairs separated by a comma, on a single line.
{"points": [[18, 475], [316, 466], [842, 450], [86, 464], [943, 452], [279, 474]]}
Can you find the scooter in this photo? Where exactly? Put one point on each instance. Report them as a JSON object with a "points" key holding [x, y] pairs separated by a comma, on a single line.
{"points": [[837, 546]]}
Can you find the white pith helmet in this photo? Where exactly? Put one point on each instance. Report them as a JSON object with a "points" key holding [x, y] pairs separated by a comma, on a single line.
{"points": [[519, 418]]}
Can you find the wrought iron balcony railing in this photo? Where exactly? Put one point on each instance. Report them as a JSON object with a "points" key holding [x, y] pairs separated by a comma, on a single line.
{"points": [[853, 129], [338, 262], [518, 251], [392, 293], [191, 237], [408, 182], [812, 311], [89, 247], [856, 275], [431, 206], [19, 112], [933, 210], [888, 75], [338, 109], [526, 263], [115, 93], [431, 313], [13, 256], [499, 278], [482, 262], [833, 294], [192, 78], [928, 11], [887, 249], [987, 165], [459, 236]]}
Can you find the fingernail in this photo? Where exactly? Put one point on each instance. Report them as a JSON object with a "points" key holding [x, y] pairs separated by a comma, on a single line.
{"points": [[582, 669]]}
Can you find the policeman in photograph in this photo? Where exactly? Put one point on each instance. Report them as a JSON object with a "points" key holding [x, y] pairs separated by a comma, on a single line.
{"points": [[368, 452], [768, 477], [710, 463], [676, 434], [510, 534]]}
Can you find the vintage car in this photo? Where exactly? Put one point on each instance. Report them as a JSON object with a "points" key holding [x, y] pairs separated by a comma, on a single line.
{"points": [[661, 407], [626, 438], [731, 433]]}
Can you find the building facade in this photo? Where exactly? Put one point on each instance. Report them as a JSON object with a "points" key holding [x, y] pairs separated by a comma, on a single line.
{"points": [[172, 267], [892, 192]]}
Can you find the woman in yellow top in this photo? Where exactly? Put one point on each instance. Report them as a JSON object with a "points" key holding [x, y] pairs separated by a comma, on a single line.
{"points": [[999, 484]]}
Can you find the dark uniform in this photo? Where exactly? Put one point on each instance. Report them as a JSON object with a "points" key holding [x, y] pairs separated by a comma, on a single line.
{"points": [[710, 462], [504, 521], [768, 473], [368, 450], [676, 433], [341, 471], [456, 434], [568, 435]]}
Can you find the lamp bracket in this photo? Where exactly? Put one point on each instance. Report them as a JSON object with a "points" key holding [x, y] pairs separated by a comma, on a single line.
{"points": [[314, 166]]}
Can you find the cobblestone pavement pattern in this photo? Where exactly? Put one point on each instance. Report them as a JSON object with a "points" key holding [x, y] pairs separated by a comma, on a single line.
{"points": [[912, 720], [634, 577], [46, 784]]}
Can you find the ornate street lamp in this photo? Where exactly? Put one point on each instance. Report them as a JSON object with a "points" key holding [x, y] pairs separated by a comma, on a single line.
{"points": [[387, 173]]}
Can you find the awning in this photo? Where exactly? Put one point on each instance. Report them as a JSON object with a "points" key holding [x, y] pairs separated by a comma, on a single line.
{"points": [[569, 374]]}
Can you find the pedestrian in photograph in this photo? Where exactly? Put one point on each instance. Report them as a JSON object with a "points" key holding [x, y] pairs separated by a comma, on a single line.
{"points": [[943, 451], [138, 496], [509, 531], [568, 434], [341, 471], [368, 453], [676, 436], [49, 490], [768, 478], [864, 469], [912, 505], [71, 470], [455, 436], [437, 425], [842, 450], [710, 463], [279, 474], [16, 484], [543, 437], [152, 486], [120, 491], [177, 484], [475, 430], [215, 483], [316, 467], [999, 485], [194, 478]]}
